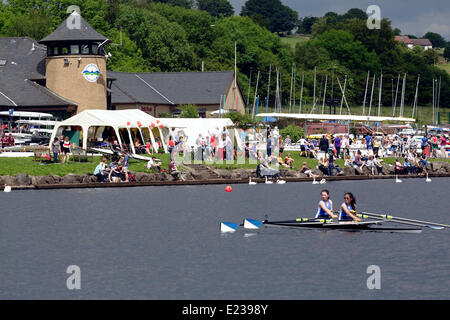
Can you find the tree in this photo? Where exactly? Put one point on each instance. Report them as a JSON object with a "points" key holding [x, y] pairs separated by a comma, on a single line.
{"points": [[216, 8], [187, 4], [189, 111], [447, 51], [294, 132], [342, 47], [397, 32], [164, 44], [281, 18], [305, 25], [436, 39], [355, 13], [112, 11], [34, 24]]}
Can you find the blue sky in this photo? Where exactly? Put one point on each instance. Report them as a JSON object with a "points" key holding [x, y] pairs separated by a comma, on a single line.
{"points": [[411, 16]]}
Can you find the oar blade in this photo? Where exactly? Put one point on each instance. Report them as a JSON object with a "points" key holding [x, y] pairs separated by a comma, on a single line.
{"points": [[228, 227], [252, 224], [434, 227]]}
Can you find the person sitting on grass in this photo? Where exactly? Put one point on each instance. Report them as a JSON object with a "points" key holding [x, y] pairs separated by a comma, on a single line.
{"points": [[348, 161], [305, 170], [289, 161], [322, 165], [123, 173], [264, 167], [114, 173], [281, 161], [399, 168], [173, 171], [100, 171], [377, 162], [154, 163], [410, 169], [331, 165], [358, 160]]}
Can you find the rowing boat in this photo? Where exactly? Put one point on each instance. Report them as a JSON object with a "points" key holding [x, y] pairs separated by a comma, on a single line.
{"points": [[323, 224], [371, 222], [345, 226]]}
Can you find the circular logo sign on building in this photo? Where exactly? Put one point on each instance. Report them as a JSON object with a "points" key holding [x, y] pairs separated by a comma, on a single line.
{"points": [[91, 72]]}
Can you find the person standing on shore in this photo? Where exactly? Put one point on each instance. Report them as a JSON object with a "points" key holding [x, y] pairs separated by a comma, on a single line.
{"points": [[66, 150], [324, 144], [56, 149], [269, 145], [337, 145], [443, 142]]}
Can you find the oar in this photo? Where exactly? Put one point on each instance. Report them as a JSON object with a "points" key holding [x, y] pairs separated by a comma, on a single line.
{"points": [[297, 220], [400, 221], [255, 224], [413, 222]]}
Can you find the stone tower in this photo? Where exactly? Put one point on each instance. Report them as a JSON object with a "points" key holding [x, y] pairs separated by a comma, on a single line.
{"points": [[76, 63]]}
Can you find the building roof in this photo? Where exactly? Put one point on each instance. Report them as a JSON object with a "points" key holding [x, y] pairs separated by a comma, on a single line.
{"points": [[23, 56], [65, 33], [130, 118], [404, 39], [25, 60], [172, 88], [415, 42], [421, 42]]}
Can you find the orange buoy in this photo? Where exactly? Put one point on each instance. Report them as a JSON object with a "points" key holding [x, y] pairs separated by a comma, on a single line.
{"points": [[228, 189]]}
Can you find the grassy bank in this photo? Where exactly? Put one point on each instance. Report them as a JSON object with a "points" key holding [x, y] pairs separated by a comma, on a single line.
{"points": [[298, 162], [15, 166]]}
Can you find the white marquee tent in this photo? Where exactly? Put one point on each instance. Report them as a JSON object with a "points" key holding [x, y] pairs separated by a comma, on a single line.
{"points": [[117, 119]]}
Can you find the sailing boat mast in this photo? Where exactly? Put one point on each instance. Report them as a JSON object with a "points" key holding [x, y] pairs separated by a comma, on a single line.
{"points": [[365, 93], [379, 94], [324, 94], [301, 93]]}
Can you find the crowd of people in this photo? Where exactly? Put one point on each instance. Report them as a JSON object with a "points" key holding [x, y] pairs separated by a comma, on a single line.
{"points": [[7, 140], [216, 144]]}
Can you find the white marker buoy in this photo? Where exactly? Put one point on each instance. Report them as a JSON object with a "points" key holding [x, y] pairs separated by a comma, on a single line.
{"points": [[7, 189]]}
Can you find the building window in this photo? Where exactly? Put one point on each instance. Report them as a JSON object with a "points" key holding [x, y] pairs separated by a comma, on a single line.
{"points": [[94, 49], [85, 49], [55, 51], [65, 50], [75, 49]]}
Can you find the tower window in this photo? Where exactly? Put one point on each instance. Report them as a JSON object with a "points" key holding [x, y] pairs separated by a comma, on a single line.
{"points": [[74, 49], [65, 50], [85, 49], [55, 51], [94, 49]]}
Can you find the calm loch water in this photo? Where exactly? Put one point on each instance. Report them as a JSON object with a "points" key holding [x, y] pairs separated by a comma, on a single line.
{"points": [[165, 243]]}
